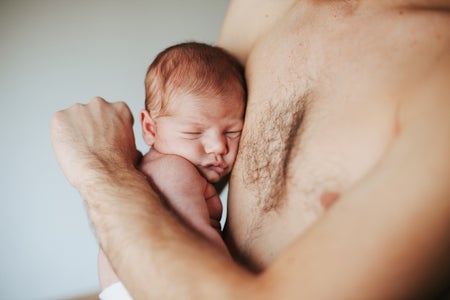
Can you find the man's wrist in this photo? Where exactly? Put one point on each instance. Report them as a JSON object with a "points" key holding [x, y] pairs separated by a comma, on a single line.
{"points": [[108, 178], [106, 168]]}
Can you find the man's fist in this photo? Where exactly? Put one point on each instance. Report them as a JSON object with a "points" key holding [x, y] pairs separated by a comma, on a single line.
{"points": [[92, 138]]}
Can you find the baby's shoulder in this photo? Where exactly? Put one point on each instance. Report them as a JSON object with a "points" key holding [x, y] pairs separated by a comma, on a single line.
{"points": [[168, 166]]}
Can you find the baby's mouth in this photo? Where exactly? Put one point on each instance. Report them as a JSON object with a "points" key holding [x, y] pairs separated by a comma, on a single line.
{"points": [[218, 167]]}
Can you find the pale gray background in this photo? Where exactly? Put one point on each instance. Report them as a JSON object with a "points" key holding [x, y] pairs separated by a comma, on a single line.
{"points": [[52, 54]]}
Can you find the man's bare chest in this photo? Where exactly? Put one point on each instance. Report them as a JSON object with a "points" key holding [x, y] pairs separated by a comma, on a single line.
{"points": [[311, 110], [321, 112]]}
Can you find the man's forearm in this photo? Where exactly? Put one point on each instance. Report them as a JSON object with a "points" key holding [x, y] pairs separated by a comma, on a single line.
{"points": [[149, 247]]}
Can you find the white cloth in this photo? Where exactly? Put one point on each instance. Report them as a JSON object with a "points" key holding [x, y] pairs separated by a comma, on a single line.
{"points": [[116, 291]]}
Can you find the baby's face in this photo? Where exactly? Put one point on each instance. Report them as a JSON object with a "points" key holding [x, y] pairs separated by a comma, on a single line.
{"points": [[205, 131]]}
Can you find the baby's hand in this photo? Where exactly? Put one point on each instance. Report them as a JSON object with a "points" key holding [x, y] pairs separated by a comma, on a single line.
{"points": [[214, 206]]}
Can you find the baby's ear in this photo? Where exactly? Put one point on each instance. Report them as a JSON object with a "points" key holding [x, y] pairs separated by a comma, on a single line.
{"points": [[148, 127]]}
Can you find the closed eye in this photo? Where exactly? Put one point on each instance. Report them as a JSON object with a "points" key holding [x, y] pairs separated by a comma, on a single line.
{"points": [[233, 134], [191, 135]]}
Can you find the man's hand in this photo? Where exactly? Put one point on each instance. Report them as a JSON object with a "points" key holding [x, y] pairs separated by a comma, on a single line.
{"points": [[92, 138]]}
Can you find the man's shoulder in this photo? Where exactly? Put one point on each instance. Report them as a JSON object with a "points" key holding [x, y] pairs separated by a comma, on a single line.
{"points": [[247, 20]]}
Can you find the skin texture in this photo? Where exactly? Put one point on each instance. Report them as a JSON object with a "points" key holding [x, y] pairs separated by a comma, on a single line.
{"points": [[349, 98]]}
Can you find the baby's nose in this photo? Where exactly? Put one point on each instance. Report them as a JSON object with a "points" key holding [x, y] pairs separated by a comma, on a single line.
{"points": [[216, 145]]}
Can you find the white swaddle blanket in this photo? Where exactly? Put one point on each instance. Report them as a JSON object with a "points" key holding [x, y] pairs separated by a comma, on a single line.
{"points": [[116, 291]]}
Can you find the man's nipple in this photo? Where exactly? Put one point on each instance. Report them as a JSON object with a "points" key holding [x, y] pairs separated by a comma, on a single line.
{"points": [[328, 198]]}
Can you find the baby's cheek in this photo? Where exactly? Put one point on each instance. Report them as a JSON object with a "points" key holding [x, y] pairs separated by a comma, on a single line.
{"points": [[193, 153], [233, 150]]}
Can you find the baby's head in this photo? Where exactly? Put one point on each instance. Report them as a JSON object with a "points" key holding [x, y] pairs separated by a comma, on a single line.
{"points": [[195, 101]]}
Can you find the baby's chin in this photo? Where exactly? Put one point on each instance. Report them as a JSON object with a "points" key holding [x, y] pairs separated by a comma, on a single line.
{"points": [[213, 179], [211, 176]]}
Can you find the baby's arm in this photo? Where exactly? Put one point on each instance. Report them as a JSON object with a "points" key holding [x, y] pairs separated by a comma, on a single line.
{"points": [[188, 193]]}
